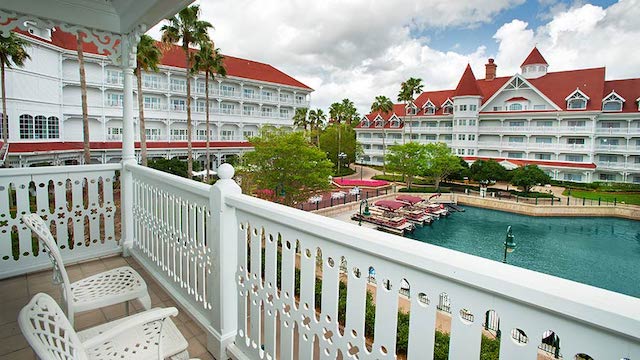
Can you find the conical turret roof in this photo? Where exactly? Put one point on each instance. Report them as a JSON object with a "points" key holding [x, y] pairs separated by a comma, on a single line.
{"points": [[467, 85]]}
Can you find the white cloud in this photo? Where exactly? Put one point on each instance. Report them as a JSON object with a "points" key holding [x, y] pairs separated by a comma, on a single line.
{"points": [[363, 48]]}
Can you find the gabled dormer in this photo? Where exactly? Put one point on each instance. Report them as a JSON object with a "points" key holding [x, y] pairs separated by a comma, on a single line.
{"points": [[577, 100], [612, 102], [411, 109], [394, 122], [534, 66], [379, 122], [518, 94], [429, 108], [365, 122], [447, 107]]}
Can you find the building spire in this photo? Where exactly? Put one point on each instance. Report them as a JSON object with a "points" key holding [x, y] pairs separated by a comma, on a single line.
{"points": [[467, 85], [534, 58]]}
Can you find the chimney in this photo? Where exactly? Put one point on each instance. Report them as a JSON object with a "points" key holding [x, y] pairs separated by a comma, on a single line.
{"points": [[490, 70]]}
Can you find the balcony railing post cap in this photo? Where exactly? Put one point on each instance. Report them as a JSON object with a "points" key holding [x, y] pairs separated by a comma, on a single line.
{"points": [[226, 171]]}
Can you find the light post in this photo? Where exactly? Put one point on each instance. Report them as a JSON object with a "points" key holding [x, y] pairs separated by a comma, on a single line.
{"points": [[366, 211], [280, 193], [341, 157], [509, 244], [361, 164]]}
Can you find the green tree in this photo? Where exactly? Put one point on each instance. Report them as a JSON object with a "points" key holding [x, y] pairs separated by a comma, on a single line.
{"points": [[484, 171], [383, 105], [147, 58], [211, 62], [528, 176], [463, 172], [300, 118], [335, 112], [408, 90], [339, 138], [288, 163], [12, 53], [316, 122], [407, 159], [174, 166], [440, 162], [349, 112], [186, 28]]}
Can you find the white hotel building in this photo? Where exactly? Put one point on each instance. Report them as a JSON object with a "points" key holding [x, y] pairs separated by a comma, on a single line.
{"points": [[45, 114], [575, 125]]}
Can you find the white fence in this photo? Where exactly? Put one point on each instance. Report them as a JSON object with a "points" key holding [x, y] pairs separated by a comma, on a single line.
{"points": [[77, 201]]}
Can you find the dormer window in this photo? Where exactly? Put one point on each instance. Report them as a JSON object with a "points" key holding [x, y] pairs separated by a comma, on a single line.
{"points": [[577, 100], [515, 107], [612, 102], [447, 107], [429, 108], [365, 123], [395, 123], [379, 123], [411, 110]]}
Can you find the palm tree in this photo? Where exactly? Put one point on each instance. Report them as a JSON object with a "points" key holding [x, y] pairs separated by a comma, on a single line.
{"points": [[211, 62], [349, 111], [408, 90], [83, 97], [316, 120], [148, 58], [12, 53], [300, 118], [188, 29], [335, 112], [383, 105]]}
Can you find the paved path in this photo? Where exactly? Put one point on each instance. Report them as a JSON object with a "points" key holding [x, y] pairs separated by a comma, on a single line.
{"points": [[367, 172]]}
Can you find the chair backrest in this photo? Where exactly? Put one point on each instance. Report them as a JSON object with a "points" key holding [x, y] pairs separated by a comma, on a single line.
{"points": [[42, 231], [48, 330]]}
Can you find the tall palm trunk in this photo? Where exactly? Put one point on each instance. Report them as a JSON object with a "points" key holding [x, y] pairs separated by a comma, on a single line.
{"points": [[189, 127], [143, 132], [206, 104], [384, 153], [5, 118], [83, 94]]}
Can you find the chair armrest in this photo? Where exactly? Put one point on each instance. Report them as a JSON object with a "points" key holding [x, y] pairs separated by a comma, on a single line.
{"points": [[131, 322]]}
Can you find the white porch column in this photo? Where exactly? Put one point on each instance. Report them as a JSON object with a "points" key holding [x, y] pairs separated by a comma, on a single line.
{"points": [[128, 53], [222, 282]]}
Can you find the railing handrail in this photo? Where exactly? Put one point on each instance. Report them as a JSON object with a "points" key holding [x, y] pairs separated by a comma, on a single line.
{"points": [[171, 180], [66, 169], [584, 303]]}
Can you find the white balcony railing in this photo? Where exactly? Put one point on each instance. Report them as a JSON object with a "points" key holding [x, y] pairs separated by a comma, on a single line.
{"points": [[612, 131], [247, 270]]}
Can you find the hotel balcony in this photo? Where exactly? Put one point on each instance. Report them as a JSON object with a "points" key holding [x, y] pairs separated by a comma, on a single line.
{"points": [[617, 148], [535, 130], [246, 273], [506, 145]]}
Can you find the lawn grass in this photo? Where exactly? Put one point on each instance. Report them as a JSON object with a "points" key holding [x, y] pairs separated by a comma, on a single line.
{"points": [[631, 198]]}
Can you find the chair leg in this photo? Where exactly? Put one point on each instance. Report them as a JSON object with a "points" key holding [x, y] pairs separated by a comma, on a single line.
{"points": [[145, 301]]}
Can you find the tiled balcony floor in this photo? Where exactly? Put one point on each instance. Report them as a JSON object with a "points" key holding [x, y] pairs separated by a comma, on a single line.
{"points": [[16, 292]]}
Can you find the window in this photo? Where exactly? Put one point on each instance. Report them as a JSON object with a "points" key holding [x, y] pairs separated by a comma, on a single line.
{"points": [[433, 137], [429, 110], [249, 93], [115, 99], [411, 110], [577, 100], [247, 134], [226, 108], [227, 134], [460, 151], [179, 85], [152, 133], [284, 113], [472, 122], [575, 141], [471, 151], [448, 109], [607, 141], [473, 107], [497, 108], [608, 158], [463, 107], [573, 177], [40, 126], [574, 158], [394, 123], [515, 107], [544, 140], [431, 124], [267, 95], [284, 97], [514, 155], [201, 106], [613, 102], [543, 156], [539, 107], [2, 123], [516, 123], [267, 111], [248, 110], [151, 103], [472, 137], [179, 134], [544, 123], [607, 177], [461, 136], [516, 139], [53, 127], [299, 99], [517, 83], [178, 104], [200, 87], [26, 126], [610, 124], [576, 123], [228, 90], [114, 131], [114, 77], [150, 81]]}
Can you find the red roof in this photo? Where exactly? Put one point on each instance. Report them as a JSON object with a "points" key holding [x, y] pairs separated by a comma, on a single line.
{"points": [[628, 89], [558, 85], [360, 183], [174, 56], [31, 147], [518, 98], [468, 85], [523, 162], [390, 204], [534, 58]]}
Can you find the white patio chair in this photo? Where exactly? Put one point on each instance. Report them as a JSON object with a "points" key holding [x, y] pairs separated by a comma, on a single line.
{"points": [[146, 336], [111, 287]]}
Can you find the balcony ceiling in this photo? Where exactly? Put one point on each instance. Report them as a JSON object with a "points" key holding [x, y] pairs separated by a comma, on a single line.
{"points": [[115, 16]]}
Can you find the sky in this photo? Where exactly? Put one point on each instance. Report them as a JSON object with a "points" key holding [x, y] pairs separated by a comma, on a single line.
{"points": [[363, 48]]}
